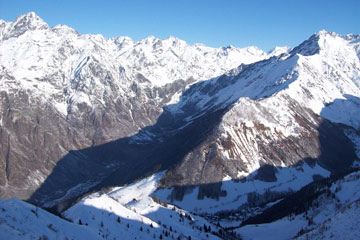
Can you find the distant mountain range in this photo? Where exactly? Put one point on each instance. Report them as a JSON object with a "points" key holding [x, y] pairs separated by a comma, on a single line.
{"points": [[226, 134]]}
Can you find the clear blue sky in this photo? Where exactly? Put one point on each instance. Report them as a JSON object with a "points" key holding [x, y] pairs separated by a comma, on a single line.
{"points": [[262, 23]]}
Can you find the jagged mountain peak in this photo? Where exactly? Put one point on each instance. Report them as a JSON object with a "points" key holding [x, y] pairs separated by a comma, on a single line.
{"points": [[63, 29], [173, 38], [308, 47], [123, 42], [254, 49], [326, 42], [276, 51], [311, 45], [27, 22], [353, 37], [2, 22], [152, 43], [175, 42], [150, 38], [324, 32], [328, 34], [162, 61]]}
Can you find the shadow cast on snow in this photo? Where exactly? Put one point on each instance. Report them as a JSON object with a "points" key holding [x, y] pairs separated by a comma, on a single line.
{"points": [[111, 225]]}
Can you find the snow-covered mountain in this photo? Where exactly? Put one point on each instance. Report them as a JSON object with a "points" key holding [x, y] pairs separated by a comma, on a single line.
{"points": [[276, 113], [228, 132], [63, 91]]}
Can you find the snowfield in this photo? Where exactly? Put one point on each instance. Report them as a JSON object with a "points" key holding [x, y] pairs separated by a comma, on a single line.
{"points": [[134, 215], [20, 220], [333, 215], [237, 192], [130, 212]]}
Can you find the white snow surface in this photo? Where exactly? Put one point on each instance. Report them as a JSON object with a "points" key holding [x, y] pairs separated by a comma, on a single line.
{"points": [[121, 213], [343, 225], [20, 220], [139, 191], [282, 229], [326, 81], [114, 215], [56, 64], [336, 217], [288, 179], [277, 51]]}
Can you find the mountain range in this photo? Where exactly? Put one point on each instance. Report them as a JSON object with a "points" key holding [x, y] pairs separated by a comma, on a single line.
{"points": [[138, 129]]}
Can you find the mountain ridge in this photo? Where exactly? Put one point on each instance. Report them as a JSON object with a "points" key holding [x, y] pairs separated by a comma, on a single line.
{"points": [[101, 91], [221, 134], [73, 80]]}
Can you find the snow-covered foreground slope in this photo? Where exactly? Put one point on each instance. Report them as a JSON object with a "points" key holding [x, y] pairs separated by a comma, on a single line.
{"points": [[20, 220], [130, 212], [127, 212], [342, 225], [332, 214]]}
